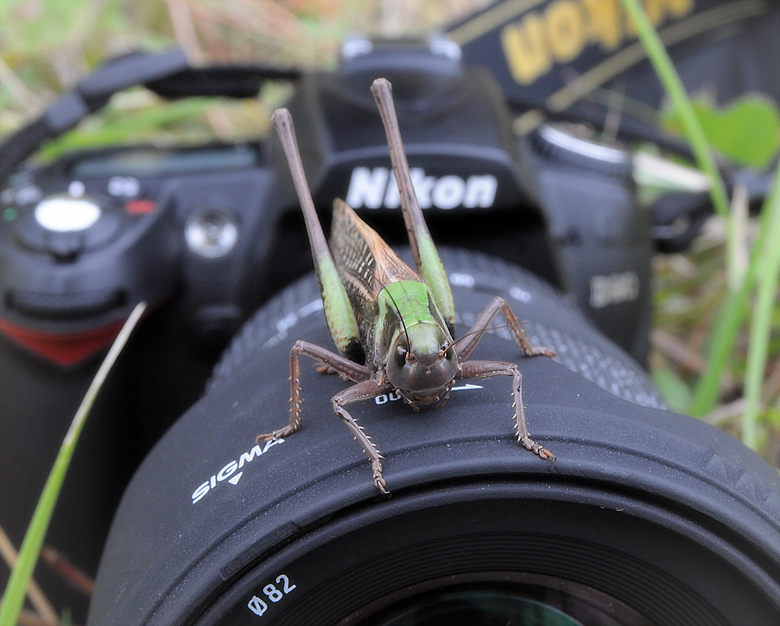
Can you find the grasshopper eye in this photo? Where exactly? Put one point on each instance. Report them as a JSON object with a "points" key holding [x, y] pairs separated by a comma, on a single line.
{"points": [[401, 354], [447, 350]]}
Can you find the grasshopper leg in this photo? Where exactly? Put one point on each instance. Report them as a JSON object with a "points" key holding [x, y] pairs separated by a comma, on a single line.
{"points": [[363, 391], [343, 366], [426, 258], [338, 311], [488, 369], [466, 344]]}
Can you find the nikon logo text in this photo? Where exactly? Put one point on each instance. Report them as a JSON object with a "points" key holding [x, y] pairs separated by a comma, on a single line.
{"points": [[565, 28], [376, 188]]}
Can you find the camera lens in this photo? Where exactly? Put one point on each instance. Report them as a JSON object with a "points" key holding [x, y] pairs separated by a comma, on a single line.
{"points": [[498, 598], [487, 607], [647, 517]]}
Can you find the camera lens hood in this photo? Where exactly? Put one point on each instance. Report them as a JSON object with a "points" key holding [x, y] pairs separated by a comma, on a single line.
{"points": [[646, 517]]}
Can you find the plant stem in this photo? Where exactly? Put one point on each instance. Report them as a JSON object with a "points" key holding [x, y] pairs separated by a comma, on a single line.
{"points": [[768, 270], [13, 599], [676, 91], [731, 316]]}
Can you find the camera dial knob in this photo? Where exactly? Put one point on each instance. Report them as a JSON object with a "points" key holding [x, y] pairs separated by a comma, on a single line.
{"points": [[558, 144], [63, 214], [211, 233], [65, 226]]}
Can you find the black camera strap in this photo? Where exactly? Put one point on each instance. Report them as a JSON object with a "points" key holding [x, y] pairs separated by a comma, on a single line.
{"points": [[167, 74]]}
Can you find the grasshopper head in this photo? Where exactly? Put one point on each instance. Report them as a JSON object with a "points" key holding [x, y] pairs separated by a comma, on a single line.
{"points": [[422, 363]]}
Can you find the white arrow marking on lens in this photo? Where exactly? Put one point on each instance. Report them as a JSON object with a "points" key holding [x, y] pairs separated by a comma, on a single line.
{"points": [[466, 386], [235, 479]]}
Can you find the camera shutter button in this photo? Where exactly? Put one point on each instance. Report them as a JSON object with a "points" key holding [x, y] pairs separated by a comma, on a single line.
{"points": [[66, 215]]}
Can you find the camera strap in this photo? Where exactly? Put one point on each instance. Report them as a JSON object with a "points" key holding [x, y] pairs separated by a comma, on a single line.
{"points": [[167, 74]]}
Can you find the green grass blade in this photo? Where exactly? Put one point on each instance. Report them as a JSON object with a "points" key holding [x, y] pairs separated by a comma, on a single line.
{"points": [[15, 590], [768, 270], [731, 317], [727, 324], [674, 88], [690, 122]]}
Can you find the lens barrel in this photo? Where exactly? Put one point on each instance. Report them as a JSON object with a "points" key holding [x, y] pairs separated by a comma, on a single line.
{"points": [[646, 517]]}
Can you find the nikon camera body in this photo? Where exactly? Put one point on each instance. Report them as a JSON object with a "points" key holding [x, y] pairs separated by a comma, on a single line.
{"points": [[207, 234]]}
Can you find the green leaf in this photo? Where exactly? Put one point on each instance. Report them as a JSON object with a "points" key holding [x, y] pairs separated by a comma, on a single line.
{"points": [[115, 126], [673, 389], [747, 131]]}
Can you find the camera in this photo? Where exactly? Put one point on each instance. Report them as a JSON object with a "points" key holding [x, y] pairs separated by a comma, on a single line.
{"points": [[217, 529]]}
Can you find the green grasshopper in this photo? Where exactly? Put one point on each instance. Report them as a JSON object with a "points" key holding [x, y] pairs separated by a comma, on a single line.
{"points": [[393, 327]]}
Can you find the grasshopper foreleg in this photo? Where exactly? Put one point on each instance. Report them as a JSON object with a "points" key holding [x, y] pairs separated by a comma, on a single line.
{"points": [[363, 391], [488, 369], [343, 366], [466, 344]]}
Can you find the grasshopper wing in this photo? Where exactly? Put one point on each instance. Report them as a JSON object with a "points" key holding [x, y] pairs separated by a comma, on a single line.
{"points": [[426, 257], [366, 264]]}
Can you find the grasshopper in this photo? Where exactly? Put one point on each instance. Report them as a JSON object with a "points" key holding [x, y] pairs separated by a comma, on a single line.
{"points": [[393, 326]]}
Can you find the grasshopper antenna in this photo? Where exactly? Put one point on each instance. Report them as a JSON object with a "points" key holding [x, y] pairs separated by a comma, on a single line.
{"points": [[401, 317], [413, 217]]}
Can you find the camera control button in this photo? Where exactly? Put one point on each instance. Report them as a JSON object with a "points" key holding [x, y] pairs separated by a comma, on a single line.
{"points": [[62, 214], [140, 207], [124, 187], [211, 233]]}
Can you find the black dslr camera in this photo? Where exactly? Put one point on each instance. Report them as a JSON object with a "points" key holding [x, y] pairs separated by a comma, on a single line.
{"points": [[215, 529]]}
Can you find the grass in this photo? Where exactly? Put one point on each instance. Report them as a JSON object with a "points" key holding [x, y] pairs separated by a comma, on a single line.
{"points": [[760, 277], [764, 263], [16, 589]]}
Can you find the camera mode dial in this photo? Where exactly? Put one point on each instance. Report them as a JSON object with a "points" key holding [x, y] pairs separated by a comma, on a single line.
{"points": [[75, 260], [65, 226]]}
